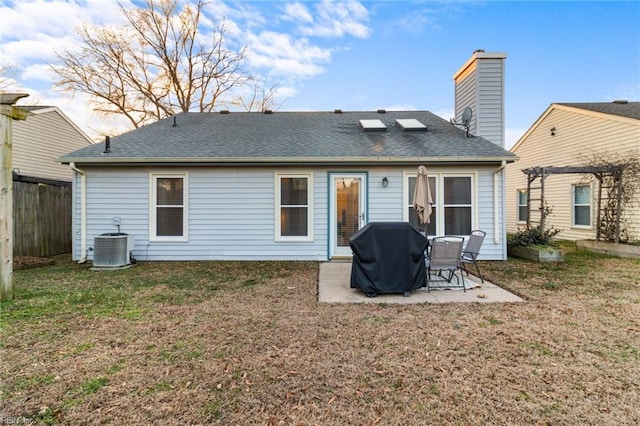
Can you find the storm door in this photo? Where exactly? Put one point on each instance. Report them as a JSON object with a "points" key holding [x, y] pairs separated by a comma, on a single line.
{"points": [[347, 210]]}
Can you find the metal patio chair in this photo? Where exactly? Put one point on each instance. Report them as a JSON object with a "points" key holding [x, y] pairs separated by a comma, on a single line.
{"points": [[472, 250], [444, 257]]}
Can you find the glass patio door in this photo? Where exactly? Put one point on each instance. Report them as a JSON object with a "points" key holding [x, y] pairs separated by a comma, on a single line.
{"points": [[347, 210]]}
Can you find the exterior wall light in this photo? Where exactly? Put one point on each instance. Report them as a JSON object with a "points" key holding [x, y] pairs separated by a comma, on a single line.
{"points": [[385, 182], [553, 131]]}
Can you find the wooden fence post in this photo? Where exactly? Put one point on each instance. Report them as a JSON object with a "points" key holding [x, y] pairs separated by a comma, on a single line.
{"points": [[7, 113]]}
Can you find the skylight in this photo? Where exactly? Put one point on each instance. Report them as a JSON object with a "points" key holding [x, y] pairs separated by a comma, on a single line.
{"points": [[410, 125], [373, 125]]}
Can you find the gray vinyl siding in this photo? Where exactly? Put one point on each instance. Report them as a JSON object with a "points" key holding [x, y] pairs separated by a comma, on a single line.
{"points": [[466, 96], [493, 247], [490, 100], [385, 204], [232, 212], [482, 89]]}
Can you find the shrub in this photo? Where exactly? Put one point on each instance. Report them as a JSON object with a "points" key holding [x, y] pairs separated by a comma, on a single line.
{"points": [[533, 237]]}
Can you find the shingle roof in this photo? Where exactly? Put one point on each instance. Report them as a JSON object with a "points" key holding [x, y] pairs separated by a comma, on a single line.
{"points": [[619, 108], [292, 137]]}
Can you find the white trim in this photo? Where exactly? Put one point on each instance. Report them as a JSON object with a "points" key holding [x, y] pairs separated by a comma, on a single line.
{"points": [[153, 178], [438, 201], [334, 250], [518, 219], [574, 205], [276, 202]]}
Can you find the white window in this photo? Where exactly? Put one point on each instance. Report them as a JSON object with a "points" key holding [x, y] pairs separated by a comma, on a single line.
{"points": [[581, 205], [168, 208], [294, 208], [453, 206], [457, 205], [523, 208]]}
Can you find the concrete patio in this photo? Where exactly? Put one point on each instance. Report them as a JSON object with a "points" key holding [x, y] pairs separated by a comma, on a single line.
{"points": [[334, 287]]}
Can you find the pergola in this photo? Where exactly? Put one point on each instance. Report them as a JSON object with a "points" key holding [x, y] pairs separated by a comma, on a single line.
{"points": [[600, 172]]}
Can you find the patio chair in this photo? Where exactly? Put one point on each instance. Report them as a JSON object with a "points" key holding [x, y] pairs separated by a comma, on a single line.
{"points": [[444, 257], [472, 250]]}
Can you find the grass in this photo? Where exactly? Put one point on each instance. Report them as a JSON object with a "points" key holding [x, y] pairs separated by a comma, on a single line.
{"points": [[247, 343]]}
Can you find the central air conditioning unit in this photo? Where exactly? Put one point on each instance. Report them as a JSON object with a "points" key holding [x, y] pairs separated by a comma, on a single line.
{"points": [[112, 250]]}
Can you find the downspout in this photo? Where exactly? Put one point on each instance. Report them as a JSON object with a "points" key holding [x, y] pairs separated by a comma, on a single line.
{"points": [[83, 212], [496, 209]]}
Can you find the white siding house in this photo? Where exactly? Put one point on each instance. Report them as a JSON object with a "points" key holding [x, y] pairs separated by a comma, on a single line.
{"points": [[575, 135], [283, 185]]}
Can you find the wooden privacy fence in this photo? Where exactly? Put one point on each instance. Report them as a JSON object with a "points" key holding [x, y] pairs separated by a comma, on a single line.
{"points": [[41, 217]]}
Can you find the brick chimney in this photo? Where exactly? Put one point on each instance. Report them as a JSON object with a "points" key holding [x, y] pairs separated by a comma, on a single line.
{"points": [[479, 84]]}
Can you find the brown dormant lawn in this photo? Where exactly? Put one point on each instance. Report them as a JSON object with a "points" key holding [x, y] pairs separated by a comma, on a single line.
{"points": [[246, 343]]}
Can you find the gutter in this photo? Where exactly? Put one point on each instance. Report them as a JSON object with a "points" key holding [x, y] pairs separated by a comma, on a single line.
{"points": [[83, 212], [282, 161], [496, 218]]}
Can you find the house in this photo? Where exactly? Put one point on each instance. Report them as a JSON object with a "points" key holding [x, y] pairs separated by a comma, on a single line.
{"points": [[41, 185], [39, 140], [564, 140], [291, 185]]}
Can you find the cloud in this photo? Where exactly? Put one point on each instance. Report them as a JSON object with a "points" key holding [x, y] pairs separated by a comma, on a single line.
{"points": [[418, 21], [446, 114], [281, 43], [41, 72], [285, 56], [33, 30], [335, 19], [297, 12]]}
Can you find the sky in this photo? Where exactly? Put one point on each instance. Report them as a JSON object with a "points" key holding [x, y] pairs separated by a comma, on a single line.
{"points": [[368, 55]]}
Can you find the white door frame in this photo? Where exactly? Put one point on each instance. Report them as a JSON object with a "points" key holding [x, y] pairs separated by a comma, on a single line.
{"points": [[338, 248]]}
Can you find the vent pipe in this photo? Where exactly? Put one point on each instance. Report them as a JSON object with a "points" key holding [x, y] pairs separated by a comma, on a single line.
{"points": [[107, 145]]}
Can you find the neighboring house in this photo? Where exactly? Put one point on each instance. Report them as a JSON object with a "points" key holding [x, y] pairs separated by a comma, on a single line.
{"points": [[572, 135], [290, 185], [38, 141], [41, 185]]}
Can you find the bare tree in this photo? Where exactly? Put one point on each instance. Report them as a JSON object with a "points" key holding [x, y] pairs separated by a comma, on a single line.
{"points": [[7, 81], [165, 60], [620, 186], [259, 97]]}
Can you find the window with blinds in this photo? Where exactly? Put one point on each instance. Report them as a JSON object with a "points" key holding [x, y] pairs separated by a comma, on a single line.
{"points": [[453, 204], [168, 211], [293, 207], [581, 205], [523, 208]]}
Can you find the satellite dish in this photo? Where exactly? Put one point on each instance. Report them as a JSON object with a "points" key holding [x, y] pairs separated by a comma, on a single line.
{"points": [[467, 113], [466, 116]]}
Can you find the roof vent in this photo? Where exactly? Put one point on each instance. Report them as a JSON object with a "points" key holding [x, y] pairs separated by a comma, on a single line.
{"points": [[224, 111], [268, 111], [337, 111], [382, 111], [373, 125], [411, 125], [621, 101]]}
